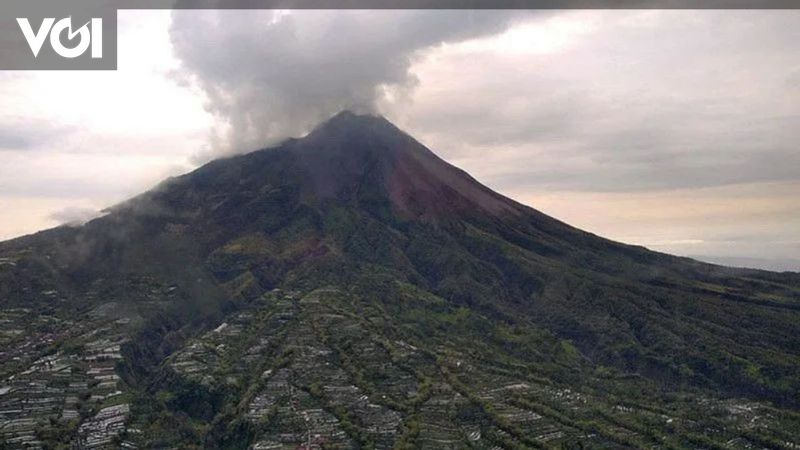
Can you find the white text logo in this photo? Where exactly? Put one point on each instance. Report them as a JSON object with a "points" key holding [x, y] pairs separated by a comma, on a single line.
{"points": [[90, 34]]}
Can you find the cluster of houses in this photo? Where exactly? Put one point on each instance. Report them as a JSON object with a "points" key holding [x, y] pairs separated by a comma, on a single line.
{"points": [[60, 392], [437, 427], [36, 382], [103, 430], [293, 417], [293, 402], [313, 374], [30, 398], [202, 358], [26, 335], [533, 424], [318, 361]]}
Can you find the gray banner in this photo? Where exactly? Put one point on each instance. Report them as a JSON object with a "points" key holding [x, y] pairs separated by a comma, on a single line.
{"points": [[38, 35]]}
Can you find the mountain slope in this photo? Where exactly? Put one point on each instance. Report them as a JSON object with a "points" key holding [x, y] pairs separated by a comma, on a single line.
{"points": [[352, 289]]}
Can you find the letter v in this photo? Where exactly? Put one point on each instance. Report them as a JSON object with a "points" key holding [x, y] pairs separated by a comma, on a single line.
{"points": [[35, 41]]}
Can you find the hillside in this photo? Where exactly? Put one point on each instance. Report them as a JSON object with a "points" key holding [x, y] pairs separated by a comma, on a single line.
{"points": [[350, 289]]}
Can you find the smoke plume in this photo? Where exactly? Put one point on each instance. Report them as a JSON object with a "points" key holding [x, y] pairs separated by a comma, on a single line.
{"points": [[273, 74]]}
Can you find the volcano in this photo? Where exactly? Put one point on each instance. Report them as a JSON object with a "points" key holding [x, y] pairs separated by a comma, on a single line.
{"points": [[350, 289]]}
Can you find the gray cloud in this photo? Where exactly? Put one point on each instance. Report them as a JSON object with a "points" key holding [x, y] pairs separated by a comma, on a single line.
{"points": [[268, 75], [74, 216], [638, 101], [19, 134]]}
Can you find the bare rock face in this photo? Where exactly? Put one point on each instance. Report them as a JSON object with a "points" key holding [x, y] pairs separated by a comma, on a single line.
{"points": [[349, 151]]}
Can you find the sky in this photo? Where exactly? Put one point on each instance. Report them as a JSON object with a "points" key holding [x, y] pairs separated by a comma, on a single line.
{"points": [[676, 130]]}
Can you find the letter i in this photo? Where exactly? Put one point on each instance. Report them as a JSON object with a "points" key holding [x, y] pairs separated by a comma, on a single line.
{"points": [[97, 38]]}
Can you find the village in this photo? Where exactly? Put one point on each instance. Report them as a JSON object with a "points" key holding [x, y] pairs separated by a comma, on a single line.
{"points": [[307, 392], [309, 374], [60, 381], [60, 390]]}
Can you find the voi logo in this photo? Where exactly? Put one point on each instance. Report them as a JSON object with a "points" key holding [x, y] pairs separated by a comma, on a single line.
{"points": [[90, 35]]}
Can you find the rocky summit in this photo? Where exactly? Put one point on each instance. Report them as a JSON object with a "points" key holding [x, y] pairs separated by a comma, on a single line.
{"points": [[350, 289]]}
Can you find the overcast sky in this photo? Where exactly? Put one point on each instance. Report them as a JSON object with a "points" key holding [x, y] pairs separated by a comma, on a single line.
{"points": [[677, 130]]}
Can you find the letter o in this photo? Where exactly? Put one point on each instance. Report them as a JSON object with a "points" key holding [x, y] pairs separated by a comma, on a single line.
{"points": [[66, 52]]}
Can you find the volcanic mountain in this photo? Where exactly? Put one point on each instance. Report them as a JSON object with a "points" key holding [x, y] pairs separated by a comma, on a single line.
{"points": [[350, 289]]}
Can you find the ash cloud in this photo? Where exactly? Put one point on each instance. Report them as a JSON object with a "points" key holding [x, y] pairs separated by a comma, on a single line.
{"points": [[269, 75]]}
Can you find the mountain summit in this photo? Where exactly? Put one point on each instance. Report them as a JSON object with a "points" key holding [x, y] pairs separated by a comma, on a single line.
{"points": [[365, 160], [350, 289], [351, 152]]}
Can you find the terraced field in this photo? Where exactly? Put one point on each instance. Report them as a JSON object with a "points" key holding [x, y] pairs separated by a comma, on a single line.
{"points": [[324, 370]]}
